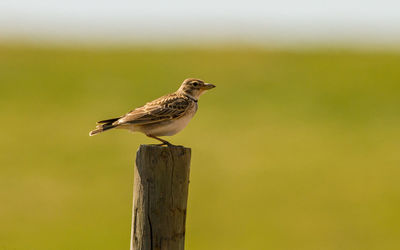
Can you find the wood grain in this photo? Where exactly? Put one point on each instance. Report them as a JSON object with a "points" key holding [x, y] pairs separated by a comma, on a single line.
{"points": [[161, 181]]}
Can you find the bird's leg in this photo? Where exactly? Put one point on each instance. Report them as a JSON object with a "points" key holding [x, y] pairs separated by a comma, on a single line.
{"points": [[164, 142]]}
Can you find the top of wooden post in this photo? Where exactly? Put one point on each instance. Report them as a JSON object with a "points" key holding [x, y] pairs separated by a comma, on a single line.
{"points": [[157, 149], [162, 146]]}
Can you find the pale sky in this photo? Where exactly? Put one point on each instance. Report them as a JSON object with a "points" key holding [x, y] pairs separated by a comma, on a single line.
{"points": [[282, 21]]}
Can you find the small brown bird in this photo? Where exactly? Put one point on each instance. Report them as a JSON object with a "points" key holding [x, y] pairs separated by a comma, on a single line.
{"points": [[164, 116]]}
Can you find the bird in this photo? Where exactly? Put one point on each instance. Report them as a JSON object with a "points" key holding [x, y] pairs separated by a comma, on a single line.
{"points": [[165, 116]]}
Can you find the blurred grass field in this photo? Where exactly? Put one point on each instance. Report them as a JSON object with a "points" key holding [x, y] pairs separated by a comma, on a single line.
{"points": [[292, 150]]}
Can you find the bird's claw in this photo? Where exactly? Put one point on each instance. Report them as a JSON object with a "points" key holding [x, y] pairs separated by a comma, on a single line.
{"points": [[164, 144]]}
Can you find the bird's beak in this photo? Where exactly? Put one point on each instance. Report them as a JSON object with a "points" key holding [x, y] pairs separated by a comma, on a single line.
{"points": [[208, 86]]}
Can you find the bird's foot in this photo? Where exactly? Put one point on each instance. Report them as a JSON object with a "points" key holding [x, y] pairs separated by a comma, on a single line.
{"points": [[164, 144]]}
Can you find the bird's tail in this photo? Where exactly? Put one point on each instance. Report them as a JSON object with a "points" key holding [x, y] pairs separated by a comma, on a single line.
{"points": [[103, 126]]}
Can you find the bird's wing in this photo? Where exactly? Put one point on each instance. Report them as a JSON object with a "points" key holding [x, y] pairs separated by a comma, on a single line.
{"points": [[164, 108]]}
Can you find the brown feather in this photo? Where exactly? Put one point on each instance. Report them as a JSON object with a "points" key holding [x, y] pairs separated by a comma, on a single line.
{"points": [[164, 108]]}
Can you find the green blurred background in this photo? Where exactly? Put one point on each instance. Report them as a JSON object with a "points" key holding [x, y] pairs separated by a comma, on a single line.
{"points": [[294, 149], [298, 147]]}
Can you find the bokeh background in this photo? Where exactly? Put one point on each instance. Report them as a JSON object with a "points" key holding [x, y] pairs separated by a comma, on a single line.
{"points": [[296, 148]]}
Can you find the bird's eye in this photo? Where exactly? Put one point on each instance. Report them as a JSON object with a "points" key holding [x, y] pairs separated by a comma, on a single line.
{"points": [[195, 84]]}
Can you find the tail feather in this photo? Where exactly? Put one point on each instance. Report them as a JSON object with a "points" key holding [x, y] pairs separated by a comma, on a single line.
{"points": [[108, 120], [96, 131], [107, 124]]}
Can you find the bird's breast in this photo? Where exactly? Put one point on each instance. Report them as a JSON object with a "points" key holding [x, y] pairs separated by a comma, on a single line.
{"points": [[171, 127]]}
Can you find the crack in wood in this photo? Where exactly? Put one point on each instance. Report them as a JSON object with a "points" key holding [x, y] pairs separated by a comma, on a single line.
{"points": [[148, 215], [172, 177]]}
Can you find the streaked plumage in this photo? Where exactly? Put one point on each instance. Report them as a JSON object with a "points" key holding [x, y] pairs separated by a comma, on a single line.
{"points": [[164, 116]]}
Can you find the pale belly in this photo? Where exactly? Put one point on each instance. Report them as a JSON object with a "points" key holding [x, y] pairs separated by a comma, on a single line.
{"points": [[166, 128]]}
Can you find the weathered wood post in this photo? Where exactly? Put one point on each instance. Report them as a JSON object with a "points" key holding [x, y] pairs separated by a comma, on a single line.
{"points": [[161, 181]]}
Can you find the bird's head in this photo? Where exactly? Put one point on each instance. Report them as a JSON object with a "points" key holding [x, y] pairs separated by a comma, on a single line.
{"points": [[195, 87]]}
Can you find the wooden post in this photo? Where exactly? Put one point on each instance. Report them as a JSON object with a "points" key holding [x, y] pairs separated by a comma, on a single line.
{"points": [[161, 181]]}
